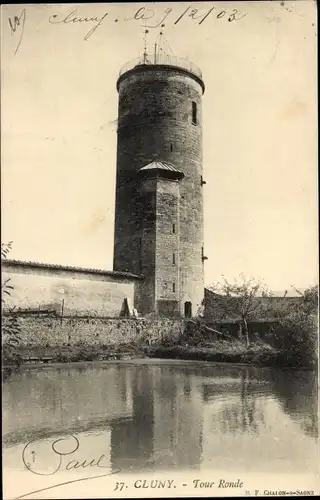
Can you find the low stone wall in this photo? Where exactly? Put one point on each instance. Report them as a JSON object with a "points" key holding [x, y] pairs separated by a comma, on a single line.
{"points": [[54, 332]]}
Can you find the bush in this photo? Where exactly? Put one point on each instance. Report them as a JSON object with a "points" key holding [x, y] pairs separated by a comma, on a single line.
{"points": [[11, 336]]}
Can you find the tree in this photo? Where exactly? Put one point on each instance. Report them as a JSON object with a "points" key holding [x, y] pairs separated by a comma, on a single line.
{"points": [[10, 326], [6, 286], [310, 300], [297, 329], [243, 300]]}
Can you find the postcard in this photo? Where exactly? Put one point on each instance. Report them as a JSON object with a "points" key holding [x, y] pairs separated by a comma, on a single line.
{"points": [[159, 249]]}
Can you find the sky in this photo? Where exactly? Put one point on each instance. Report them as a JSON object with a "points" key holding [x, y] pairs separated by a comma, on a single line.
{"points": [[58, 125]]}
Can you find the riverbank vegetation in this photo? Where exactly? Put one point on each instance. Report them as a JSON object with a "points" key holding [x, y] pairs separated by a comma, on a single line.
{"points": [[258, 354], [287, 335], [289, 341], [290, 324]]}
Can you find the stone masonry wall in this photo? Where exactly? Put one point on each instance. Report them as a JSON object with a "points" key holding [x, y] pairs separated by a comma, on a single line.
{"points": [[145, 294], [54, 332], [167, 242]]}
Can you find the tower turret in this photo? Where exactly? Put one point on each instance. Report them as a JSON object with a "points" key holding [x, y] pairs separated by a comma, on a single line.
{"points": [[159, 186]]}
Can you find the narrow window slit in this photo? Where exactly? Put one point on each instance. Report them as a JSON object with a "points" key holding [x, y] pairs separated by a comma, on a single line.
{"points": [[194, 113]]}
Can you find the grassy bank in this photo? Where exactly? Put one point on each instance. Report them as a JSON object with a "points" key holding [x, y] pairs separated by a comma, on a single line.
{"points": [[69, 354], [232, 352], [74, 353], [228, 351]]}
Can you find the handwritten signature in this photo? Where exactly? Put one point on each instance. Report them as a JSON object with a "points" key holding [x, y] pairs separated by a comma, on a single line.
{"points": [[146, 14], [17, 23], [58, 462], [57, 457]]}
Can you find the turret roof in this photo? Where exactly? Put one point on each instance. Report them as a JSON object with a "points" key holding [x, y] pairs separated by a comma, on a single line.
{"points": [[159, 165], [161, 168]]}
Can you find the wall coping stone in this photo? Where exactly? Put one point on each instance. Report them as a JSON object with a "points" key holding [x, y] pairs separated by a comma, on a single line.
{"points": [[53, 267]]}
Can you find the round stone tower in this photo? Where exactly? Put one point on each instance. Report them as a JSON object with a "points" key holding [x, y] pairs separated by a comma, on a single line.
{"points": [[159, 186]]}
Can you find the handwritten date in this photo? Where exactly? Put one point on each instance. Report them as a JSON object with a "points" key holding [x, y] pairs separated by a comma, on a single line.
{"points": [[148, 17]]}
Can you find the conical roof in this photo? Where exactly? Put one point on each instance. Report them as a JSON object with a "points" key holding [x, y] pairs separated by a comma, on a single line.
{"points": [[158, 166]]}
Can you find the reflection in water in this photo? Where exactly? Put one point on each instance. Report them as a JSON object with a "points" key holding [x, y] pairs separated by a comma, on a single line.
{"points": [[170, 416], [241, 407], [131, 441], [299, 399]]}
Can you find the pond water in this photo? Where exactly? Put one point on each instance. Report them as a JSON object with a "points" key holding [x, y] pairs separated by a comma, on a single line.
{"points": [[158, 416]]}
